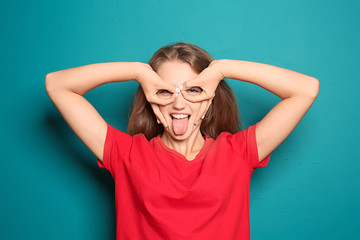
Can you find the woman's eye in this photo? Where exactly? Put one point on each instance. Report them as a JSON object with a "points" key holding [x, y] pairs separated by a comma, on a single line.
{"points": [[194, 91], [164, 93]]}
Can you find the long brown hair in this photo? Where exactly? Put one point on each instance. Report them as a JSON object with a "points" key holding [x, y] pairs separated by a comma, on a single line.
{"points": [[223, 114]]}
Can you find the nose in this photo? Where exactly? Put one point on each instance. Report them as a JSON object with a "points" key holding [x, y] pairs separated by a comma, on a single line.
{"points": [[180, 102]]}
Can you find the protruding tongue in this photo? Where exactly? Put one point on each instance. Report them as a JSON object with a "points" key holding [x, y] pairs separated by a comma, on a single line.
{"points": [[180, 125]]}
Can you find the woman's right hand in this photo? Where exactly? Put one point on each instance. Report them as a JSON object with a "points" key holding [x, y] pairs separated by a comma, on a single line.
{"points": [[156, 90]]}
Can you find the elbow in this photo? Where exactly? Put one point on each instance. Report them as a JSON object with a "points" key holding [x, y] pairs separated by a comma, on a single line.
{"points": [[311, 88], [314, 88], [50, 83]]}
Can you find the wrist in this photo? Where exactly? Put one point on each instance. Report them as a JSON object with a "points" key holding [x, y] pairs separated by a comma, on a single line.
{"points": [[228, 67], [140, 69], [220, 67]]}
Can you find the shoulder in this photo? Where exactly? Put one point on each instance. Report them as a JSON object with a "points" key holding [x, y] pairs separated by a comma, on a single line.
{"points": [[122, 142], [244, 144], [239, 142], [118, 135], [239, 137], [119, 146]]}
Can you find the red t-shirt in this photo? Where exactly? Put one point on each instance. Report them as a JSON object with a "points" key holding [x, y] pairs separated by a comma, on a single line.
{"points": [[161, 195]]}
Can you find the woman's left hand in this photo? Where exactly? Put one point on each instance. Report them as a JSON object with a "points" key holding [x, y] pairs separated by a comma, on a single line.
{"points": [[204, 85]]}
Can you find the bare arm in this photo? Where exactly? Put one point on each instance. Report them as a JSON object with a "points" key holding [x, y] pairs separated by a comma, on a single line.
{"points": [[297, 90], [65, 88]]}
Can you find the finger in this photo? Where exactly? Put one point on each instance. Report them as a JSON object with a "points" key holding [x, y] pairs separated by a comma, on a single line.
{"points": [[156, 85], [208, 106], [159, 115], [162, 101], [198, 81], [206, 90], [203, 110], [201, 113], [204, 96], [161, 84]]}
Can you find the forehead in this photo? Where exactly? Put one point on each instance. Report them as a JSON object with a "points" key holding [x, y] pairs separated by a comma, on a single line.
{"points": [[176, 72]]}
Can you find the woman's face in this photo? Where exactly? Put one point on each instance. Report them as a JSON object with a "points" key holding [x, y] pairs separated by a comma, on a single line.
{"points": [[181, 114]]}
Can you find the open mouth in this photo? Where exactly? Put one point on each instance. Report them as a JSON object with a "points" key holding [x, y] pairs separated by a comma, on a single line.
{"points": [[180, 123], [180, 116]]}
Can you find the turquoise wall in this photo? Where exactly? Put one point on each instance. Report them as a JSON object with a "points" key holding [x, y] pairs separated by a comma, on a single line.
{"points": [[51, 187]]}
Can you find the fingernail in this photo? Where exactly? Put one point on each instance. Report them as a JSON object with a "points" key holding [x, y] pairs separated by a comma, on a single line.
{"points": [[181, 87], [177, 90]]}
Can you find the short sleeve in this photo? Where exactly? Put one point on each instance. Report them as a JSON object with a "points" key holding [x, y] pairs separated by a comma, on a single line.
{"points": [[116, 148], [245, 142], [253, 150]]}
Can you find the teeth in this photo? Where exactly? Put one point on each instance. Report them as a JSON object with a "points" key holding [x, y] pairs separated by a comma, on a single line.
{"points": [[179, 116]]}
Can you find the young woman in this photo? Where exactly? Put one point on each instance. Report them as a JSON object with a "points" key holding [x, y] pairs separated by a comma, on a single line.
{"points": [[183, 169]]}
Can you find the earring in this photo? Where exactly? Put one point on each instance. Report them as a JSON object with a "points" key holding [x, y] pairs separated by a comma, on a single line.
{"points": [[158, 121]]}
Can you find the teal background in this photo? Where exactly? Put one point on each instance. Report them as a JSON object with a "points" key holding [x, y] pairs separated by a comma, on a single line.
{"points": [[51, 186]]}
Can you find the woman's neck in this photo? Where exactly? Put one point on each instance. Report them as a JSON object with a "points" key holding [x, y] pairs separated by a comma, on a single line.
{"points": [[188, 147]]}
